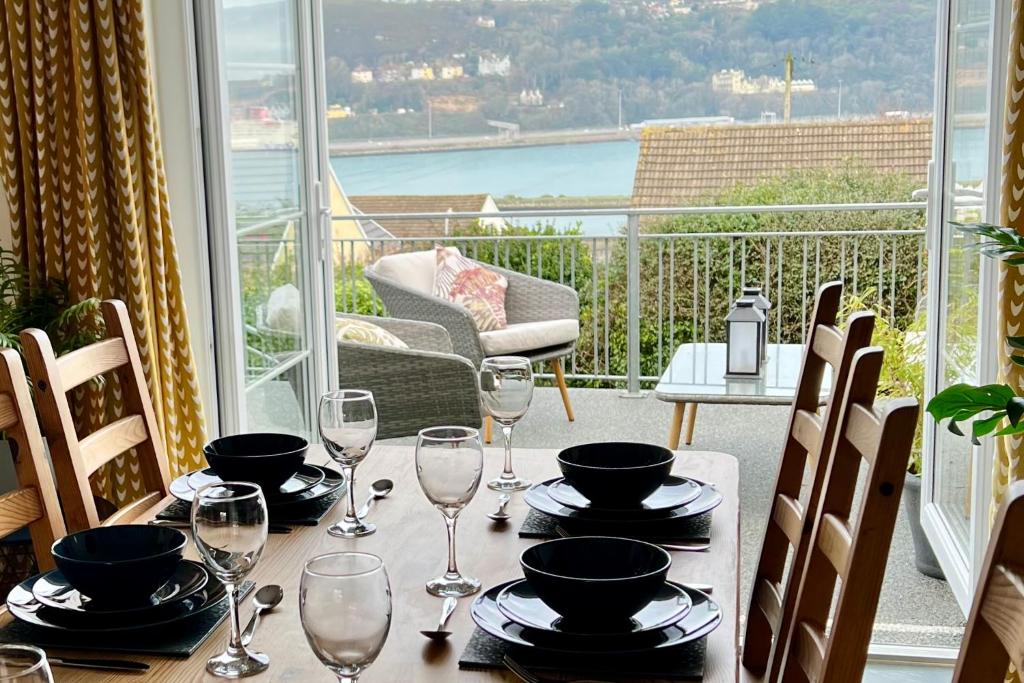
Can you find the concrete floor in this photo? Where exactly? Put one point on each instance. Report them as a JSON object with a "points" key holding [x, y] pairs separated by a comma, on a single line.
{"points": [[913, 609]]}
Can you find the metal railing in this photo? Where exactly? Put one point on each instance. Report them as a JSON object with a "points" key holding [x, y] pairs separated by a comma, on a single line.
{"points": [[645, 289]]}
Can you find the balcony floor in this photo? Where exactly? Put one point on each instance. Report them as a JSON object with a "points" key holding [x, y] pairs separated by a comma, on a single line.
{"points": [[754, 435]]}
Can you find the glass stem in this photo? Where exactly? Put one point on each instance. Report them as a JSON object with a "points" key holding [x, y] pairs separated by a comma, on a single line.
{"points": [[453, 568], [235, 643], [350, 483], [507, 473], [342, 678]]}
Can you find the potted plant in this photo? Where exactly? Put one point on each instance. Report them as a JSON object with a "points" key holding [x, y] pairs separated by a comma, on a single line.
{"points": [[46, 305], [903, 371]]}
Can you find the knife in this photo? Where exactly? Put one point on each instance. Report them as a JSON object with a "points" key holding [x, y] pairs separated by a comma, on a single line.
{"points": [[104, 664]]}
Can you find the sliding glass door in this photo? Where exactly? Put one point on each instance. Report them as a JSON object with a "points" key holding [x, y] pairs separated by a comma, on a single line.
{"points": [[961, 300], [264, 164]]}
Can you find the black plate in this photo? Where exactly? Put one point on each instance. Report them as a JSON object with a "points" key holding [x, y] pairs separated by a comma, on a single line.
{"points": [[675, 492], [537, 497], [306, 479], [24, 607], [53, 590], [519, 602], [704, 617]]}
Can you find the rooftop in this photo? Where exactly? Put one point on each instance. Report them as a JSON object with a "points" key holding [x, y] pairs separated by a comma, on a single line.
{"points": [[681, 166], [408, 203]]}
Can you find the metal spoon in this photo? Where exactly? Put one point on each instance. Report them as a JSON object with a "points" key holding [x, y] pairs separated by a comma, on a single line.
{"points": [[267, 598], [500, 515], [378, 489], [446, 611]]}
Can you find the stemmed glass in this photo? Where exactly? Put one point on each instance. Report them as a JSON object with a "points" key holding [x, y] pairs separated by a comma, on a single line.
{"points": [[345, 608], [506, 389], [348, 426], [24, 664], [449, 465], [229, 525]]}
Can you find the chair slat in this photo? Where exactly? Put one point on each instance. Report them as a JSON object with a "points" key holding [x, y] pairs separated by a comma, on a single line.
{"points": [[863, 431], [80, 366], [129, 513], [18, 509], [835, 540], [812, 650], [788, 514], [767, 597], [108, 442], [807, 429], [8, 412], [828, 345], [1003, 609]]}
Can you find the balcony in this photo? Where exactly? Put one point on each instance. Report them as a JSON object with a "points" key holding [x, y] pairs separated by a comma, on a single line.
{"points": [[666, 277]]}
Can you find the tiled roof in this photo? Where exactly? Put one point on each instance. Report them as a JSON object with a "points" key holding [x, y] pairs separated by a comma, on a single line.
{"points": [[680, 166], [371, 204]]}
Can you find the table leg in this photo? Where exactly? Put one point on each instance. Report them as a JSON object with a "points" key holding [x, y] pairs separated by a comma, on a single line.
{"points": [[691, 422], [488, 429], [677, 425]]}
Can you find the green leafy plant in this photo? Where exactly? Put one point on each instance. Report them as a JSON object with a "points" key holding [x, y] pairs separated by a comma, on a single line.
{"points": [[999, 406], [46, 305]]}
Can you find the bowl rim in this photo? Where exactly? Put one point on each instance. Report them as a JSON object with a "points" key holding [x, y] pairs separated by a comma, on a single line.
{"points": [[208, 451], [177, 549], [670, 456], [666, 557]]}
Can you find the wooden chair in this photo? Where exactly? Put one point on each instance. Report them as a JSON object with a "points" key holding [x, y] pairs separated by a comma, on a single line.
{"points": [[847, 546], [995, 630], [75, 458], [808, 440], [35, 504]]}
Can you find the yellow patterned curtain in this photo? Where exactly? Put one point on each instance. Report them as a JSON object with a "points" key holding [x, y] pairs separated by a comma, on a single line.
{"points": [[83, 172], [1009, 465]]}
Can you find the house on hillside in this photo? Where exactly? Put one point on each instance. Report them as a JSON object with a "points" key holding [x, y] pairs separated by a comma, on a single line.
{"points": [[686, 166], [493, 65], [362, 75], [378, 204]]}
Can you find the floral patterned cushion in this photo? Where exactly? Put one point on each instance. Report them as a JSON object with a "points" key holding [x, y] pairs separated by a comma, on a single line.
{"points": [[480, 291], [362, 332]]}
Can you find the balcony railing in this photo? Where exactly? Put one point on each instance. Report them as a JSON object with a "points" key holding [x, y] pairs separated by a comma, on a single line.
{"points": [[646, 289]]}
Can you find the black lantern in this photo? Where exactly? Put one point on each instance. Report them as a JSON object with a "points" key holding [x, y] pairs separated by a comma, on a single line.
{"points": [[744, 329], [762, 304]]}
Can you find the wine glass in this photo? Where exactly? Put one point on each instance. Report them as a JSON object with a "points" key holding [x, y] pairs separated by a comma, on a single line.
{"points": [[506, 389], [345, 609], [348, 426], [229, 525], [449, 465], [24, 664]]}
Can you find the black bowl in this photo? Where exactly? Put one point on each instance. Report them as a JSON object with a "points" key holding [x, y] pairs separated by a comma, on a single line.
{"points": [[595, 578], [120, 564], [265, 459], [616, 474]]}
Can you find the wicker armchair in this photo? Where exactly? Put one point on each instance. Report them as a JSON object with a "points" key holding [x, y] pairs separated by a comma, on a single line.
{"points": [[528, 300], [423, 386]]}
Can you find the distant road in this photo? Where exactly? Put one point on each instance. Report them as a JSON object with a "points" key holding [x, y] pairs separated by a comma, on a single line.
{"points": [[411, 145]]}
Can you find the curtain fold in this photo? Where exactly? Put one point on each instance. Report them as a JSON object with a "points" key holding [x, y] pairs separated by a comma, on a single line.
{"points": [[83, 171]]}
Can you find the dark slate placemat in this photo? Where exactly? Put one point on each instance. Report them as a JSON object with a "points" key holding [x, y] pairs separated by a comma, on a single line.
{"points": [[685, 662], [180, 639], [300, 514], [692, 529]]}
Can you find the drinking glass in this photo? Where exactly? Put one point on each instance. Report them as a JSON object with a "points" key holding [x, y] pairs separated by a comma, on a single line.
{"points": [[506, 389], [24, 664], [449, 465], [229, 524], [345, 609], [348, 426]]}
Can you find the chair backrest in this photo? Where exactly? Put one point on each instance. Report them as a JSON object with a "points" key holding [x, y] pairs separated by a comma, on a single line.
{"points": [[413, 269], [850, 546], [995, 630], [808, 440], [35, 503], [75, 458]]}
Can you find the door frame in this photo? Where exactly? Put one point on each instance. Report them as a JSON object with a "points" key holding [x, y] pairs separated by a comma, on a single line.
{"points": [[229, 334], [962, 564]]}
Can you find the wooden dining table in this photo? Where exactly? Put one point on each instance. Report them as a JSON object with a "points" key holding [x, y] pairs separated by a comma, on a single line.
{"points": [[411, 540]]}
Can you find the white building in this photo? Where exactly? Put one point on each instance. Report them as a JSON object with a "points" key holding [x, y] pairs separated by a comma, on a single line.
{"points": [[493, 65], [362, 75]]}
